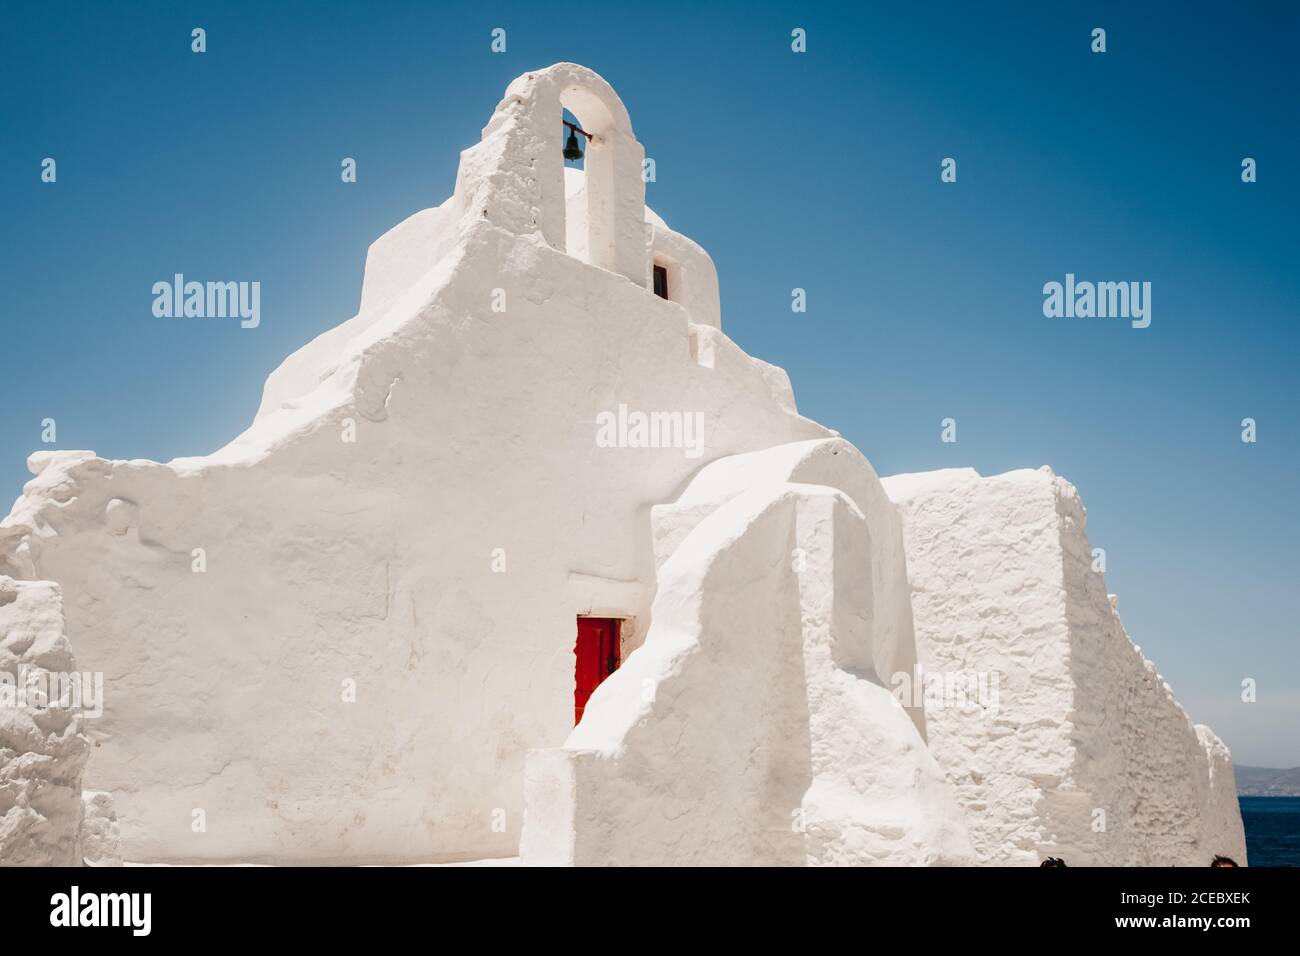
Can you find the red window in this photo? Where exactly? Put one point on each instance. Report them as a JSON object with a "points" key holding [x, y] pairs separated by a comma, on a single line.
{"points": [[661, 281], [597, 658]]}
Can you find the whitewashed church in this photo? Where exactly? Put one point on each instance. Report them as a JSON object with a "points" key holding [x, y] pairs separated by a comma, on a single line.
{"points": [[529, 560]]}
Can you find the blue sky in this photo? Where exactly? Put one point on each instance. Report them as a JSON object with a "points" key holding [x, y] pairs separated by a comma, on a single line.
{"points": [[818, 170]]}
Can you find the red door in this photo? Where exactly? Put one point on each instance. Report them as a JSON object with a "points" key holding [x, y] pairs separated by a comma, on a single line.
{"points": [[597, 658]]}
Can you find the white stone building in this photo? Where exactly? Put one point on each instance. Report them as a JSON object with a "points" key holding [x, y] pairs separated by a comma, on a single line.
{"points": [[533, 478]]}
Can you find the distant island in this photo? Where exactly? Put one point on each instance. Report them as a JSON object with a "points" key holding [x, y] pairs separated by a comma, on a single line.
{"points": [[1268, 782]]}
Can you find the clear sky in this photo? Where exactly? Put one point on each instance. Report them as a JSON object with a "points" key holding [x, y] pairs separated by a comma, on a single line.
{"points": [[817, 170]]}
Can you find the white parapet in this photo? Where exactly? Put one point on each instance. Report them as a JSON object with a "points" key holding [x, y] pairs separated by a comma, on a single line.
{"points": [[1081, 752]]}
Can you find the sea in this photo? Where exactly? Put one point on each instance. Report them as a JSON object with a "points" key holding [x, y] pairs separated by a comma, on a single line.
{"points": [[1272, 830]]}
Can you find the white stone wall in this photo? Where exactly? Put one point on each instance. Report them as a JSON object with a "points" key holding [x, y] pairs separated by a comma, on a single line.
{"points": [[101, 838], [835, 463], [1002, 583], [748, 730], [692, 277], [42, 747]]}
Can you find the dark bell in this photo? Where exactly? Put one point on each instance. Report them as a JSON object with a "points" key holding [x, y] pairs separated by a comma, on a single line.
{"points": [[572, 151]]}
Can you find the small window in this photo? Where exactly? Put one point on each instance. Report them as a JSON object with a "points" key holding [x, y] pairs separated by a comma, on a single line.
{"points": [[661, 281]]}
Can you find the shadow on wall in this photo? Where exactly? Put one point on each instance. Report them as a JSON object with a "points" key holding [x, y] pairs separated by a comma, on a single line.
{"points": [[1142, 789], [697, 750], [743, 732]]}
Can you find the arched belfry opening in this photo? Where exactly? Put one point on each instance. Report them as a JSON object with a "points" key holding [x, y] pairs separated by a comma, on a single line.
{"points": [[576, 219], [612, 191], [598, 135], [515, 177]]}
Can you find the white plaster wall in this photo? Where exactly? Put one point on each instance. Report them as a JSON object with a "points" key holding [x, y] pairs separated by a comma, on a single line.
{"points": [[835, 463], [1002, 581], [371, 562], [692, 277], [101, 838], [745, 731], [401, 256], [42, 749]]}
